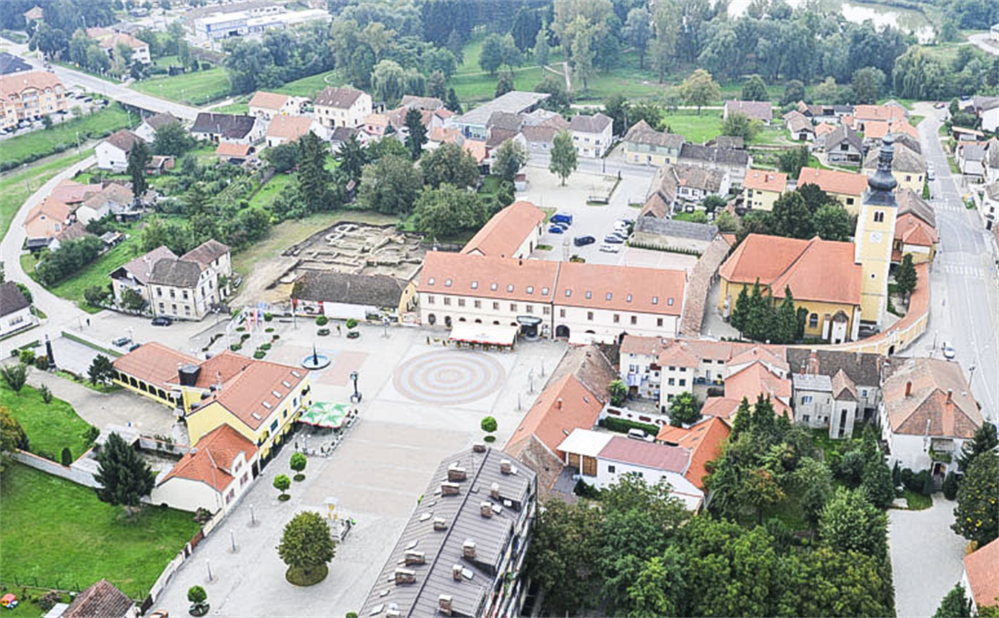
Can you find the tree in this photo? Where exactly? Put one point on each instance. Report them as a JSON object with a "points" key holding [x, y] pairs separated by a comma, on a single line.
{"points": [[450, 164], [314, 180], [282, 483], [12, 437], [684, 409], [762, 490], [740, 311], [638, 31], [101, 370], [554, 86], [124, 477], [504, 83], [877, 486], [791, 161], [790, 217], [282, 158], [541, 49], [815, 481], [984, 440], [955, 605], [826, 91], [905, 276], [977, 515], [66, 457], [740, 125], [350, 159], [437, 85], [417, 133], [699, 89], [452, 104], [390, 185], [489, 425], [510, 157], [447, 210], [138, 159], [388, 81], [785, 321], [650, 592], [727, 222], [14, 376], [755, 89], [526, 24], [850, 523], [563, 157], [618, 390], [498, 51], [583, 48], [172, 140], [867, 83], [297, 463], [794, 91], [832, 222], [197, 597]]}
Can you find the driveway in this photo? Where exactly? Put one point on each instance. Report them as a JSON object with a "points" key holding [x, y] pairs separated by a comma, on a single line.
{"points": [[927, 557]]}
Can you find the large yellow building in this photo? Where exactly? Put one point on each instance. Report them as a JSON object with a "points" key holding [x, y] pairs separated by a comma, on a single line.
{"points": [[907, 166], [875, 235], [29, 96], [761, 188], [847, 187]]}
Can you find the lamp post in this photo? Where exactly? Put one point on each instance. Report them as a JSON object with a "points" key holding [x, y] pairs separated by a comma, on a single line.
{"points": [[356, 397], [385, 324]]}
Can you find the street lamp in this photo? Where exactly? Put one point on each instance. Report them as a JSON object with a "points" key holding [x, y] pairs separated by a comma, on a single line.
{"points": [[356, 397]]}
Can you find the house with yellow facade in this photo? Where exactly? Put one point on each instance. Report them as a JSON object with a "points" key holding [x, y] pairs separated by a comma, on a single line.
{"points": [[761, 188], [258, 399], [821, 274], [643, 145], [915, 229], [875, 235], [907, 166], [847, 187]]}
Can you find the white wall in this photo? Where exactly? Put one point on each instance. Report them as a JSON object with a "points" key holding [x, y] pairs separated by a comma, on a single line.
{"points": [[16, 321], [679, 485], [110, 157], [606, 330], [487, 312]]}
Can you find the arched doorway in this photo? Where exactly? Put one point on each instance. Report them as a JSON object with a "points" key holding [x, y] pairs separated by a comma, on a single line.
{"points": [[431, 319], [562, 331], [447, 321]]}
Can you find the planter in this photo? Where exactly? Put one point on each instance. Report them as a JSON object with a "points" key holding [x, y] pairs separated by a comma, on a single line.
{"points": [[199, 610]]}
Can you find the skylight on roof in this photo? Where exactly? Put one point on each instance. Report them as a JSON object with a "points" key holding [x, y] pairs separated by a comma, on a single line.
{"points": [[628, 299], [430, 281], [655, 300], [276, 394], [286, 383], [447, 283], [530, 289], [475, 285], [568, 293], [669, 301], [544, 291], [589, 294], [296, 374], [509, 288], [609, 295], [493, 287]]}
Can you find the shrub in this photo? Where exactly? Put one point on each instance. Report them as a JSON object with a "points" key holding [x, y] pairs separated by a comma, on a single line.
{"points": [[621, 425], [27, 356], [618, 391], [46, 455], [42, 363], [67, 457], [269, 329], [265, 346], [259, 354], [197, 596], [950, 486], [275, 337], [244, 336], [585, 490], [488, 424], [268, 316], [240, 329], [48, 600], [90, 436], [202, 515], [322, 320], [351, 324], [235, 347], [46, 393]]}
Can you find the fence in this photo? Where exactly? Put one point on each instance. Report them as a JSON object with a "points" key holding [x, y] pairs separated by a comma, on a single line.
{"points": [[72, 473], [91, 343]]}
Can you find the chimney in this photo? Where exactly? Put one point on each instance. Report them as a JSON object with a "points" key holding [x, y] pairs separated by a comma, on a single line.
{"points": [[468, 549], [405, 576], [450, 489], [950, 395], [440, 524], [505, 466], [908, 388], [494, 491], [415, 557], [486, 509], [479, 447], [558, 403], [455, 474], [456, 571], [444, 604]]}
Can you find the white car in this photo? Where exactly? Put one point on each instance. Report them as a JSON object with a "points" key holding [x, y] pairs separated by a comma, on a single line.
{"points": [[609, 248], [948, 350], [929, 172]]}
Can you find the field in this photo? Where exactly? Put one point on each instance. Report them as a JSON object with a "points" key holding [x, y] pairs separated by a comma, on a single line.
{"points": [[195, 88], [37, 144], [61, 534], [696, 128], [310, 86], [50, 427], [16, 187], [270, 191]]}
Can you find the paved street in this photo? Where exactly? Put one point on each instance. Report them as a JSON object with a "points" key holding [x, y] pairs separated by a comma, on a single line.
{"points": [[982, 41], [965, 305], [926, 557]]}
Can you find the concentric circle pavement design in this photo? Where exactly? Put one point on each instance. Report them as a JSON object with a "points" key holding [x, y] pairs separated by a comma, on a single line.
{"points": [[448, 378]]}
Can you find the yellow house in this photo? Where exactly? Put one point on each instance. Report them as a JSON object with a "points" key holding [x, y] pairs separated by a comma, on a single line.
{"points": [[643, 145], [875, 236], [761, 188], [258, 399], [847, 187], [907, 166], [822, 276]]}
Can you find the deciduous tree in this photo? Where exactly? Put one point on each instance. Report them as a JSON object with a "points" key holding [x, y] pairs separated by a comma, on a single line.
{"points": [[172, 140], [447, 210], [101, 370], [755, 89], [638, 31], [699, 89], [850, 523], [684, 410], [390, 185], [451, 164], [832, 222], [905, 275], [297, 463], [563, 157], [563, 555], [12, 437], [307, 543], [138, 159], [740, 125], [867, 83], [14, 376], [511, 156]]}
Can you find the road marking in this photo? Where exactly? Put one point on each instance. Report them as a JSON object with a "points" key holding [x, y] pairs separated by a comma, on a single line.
{"points": [[961, 269]]}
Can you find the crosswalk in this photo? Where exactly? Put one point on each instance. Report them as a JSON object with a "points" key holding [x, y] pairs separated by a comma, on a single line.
{"points": [[960, 269], [948, 206]]}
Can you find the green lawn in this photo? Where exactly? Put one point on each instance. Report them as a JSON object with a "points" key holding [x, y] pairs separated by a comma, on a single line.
{"points": [[195, 88], [50, 427], [694, 127], [481, 87], [16, 187], [915, 119], [310, 86], [270, 191], [233, 108], [916, 500], [62, 534], [37, 144]]}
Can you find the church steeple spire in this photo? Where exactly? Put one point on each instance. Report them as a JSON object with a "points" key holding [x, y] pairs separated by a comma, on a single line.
{"points": [[881, 184]]}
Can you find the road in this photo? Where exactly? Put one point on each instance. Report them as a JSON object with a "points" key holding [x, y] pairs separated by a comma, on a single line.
{"points": [[965, 305], [983, 43], [117, 92]]}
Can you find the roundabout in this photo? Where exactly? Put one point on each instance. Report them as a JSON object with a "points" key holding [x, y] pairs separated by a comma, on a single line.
{"points": [[449, 377]]}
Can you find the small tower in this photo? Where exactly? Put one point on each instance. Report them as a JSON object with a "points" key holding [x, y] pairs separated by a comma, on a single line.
{"points": [[874, 234]]}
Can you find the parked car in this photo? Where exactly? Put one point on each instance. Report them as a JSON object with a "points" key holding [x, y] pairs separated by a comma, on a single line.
{"points": [[556, 229], [121, 342], [622, 225], [948, 350], [562, 217], [582, 241], [606, 248], [930, 175], [613, 239], [162, 321]]}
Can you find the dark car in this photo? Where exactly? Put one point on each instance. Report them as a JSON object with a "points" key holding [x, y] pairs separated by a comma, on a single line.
{"points": [[582, 241], [162, 321], [555, 229]]}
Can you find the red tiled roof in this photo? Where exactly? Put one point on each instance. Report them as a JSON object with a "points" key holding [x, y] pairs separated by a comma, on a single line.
{"points": [[289, 127], [757, 380], [939, 403], [256, 392], [646, 454], [982, 568], [623, 288], [72, 192], [488, 277], [154, 363], [16, 83], [634, 344], [878, 112], [833, 181], [912, 230], [506, 230], [228, 149], [563, 406], [210, 461], [269, 100], [722, 407], [704, 440], [763, 180]]}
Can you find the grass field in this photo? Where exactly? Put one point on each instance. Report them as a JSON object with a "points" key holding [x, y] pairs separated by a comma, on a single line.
{"points": [[195, 88], [37, 144], [50, 427], [270, 191], [310, 86], [694, 127], [62, 534], [916, 500], [16, 187]]}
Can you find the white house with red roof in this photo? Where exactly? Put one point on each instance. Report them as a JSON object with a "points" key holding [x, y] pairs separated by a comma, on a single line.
{"points": [[512, 232]]}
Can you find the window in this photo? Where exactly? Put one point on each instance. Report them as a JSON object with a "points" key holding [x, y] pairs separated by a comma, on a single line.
{"points": [[669, 302], [879, 217], [478, 304], [493, 287], [671, 381], [513, 307], [589, 316], [683, 382], [430, 281], [561, 313], [509, 288], [447, 283], [159, 292], [634, 320], [589, 294], [804, 418], [544, 291], [568, 293], [530, 289], [863, 393], [529, 308], [908, 177], [655, 300], [461, 302], [849, 201], [447, 300], [813, 320], [475, 285], [495, 306], [659, 322], [546, 310], [430, 300], [611, 469], [609, 295], [617, 318], [274, 425], [806, 399]]}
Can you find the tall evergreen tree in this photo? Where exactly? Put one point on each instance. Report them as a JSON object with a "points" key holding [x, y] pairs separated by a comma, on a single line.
{"points": [[786, 322], [984, 440], [138, 159], [976, 516], [740, 311], [541, 49], [905, 276], [759, 324], [417, 133], [314, 180], [452, 104], [877, 485], [123, 476], [955, 605], [351, 158]]}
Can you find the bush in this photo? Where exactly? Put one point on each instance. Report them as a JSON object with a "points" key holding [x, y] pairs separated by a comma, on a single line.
{"points": [[45, 392], [46, 455], [48, 600], [488, 424], [585, 490], [950, 486], [259, 354], [275, 337], [351, 324], [27, 356], [268, 316], [621, 425], [235, 347], [42, 363], [916, 481], [264, 346], [322, 320], [851, 467], [67, 457], [240, 329], [244, 336], [269, 329]]}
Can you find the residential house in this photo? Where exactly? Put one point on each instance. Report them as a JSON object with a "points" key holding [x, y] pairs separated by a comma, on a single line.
{"points": [[429, 104], [340, 135], [971, 159], [237, 154], [908, 167], [992, 160], [822, 129], [861, 374], [189, 287], [342, 107], [286, 129], [735, 162], [964, 134], [819, 113], [843, 145], [473, 124], [227, 128], [15, 310], [603, 457], [876, 130], [915, 228], [822, 276], [990, 203], [862, 114], [986, 108], [673, 235], [755, 110], [541, 134], [73, 193], [109, 41], [343, 296], [501, 127], [29, 96], [111, 199], [799, 126], [704, 440], [927, 413], [761, 188], [101, 600], [135, 274], [513, 232], [259, 399], [824, 402], [462, 553], [212, 476], [267, 105], [981, 577], [728, 141], [151, 124], [71, 232], [639, 365], [759, 372], [846, 187], [158, 164], [591, 135], [44, 221], [112, 153], [644, 145], [676, 183]]}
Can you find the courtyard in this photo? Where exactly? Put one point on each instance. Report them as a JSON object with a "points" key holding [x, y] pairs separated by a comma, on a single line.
{"points": [[420, 402]]}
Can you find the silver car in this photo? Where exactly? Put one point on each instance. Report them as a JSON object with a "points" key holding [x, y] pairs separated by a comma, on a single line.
{"points": [[948, 350]]}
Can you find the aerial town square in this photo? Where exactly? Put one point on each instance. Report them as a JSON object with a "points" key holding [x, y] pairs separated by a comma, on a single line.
{"points": [[499, 308]]}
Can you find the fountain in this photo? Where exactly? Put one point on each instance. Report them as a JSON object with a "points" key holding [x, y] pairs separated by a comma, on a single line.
{"points": [[315, 360]]}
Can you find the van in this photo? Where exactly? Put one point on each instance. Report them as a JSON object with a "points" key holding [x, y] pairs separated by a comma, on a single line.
{"points": [[562, 217]]}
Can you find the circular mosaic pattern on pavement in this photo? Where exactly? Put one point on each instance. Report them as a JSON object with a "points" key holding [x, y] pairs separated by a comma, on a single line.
{"points": [[449, 378]]}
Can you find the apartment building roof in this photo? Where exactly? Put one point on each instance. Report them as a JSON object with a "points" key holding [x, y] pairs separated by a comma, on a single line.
{"points": [[488, 277], [229, 126], [340, 98], [503, 234], [176, 273], [757, 110], [642, 133], [596, 123], [929, 396], [207, 252], [621, 288], [13, 84], [289, 128], [765, 180], [268, 100], [210, 460], [833, 181]]}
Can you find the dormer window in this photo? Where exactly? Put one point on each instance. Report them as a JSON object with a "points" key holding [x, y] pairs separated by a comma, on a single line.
{"points": [[475, 285], [628, 299], [568, 293], [669, 301], [493, 287], [655, 300], [609, 295], [447, 283], [430, 281], [544, 291], [509, 288], [589, 294], [530, 289]]}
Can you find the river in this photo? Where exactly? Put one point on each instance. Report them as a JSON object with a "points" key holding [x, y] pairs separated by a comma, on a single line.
{"points": [[907, 20]]}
